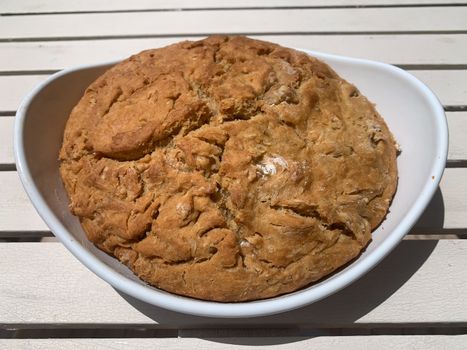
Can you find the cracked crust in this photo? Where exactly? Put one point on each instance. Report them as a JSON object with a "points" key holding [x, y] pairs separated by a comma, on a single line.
{"points": [[227, 169]]}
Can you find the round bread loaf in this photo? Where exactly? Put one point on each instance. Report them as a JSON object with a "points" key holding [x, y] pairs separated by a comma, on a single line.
{"points": [[227, 169]]}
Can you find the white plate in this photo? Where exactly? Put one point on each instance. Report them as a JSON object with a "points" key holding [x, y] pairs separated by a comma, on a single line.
{"points": [[411, 110]]}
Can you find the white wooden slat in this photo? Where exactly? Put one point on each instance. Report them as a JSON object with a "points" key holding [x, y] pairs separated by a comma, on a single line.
{"points": [[16, 211], [248, 21], [15, 88], [6, 140], [420, 282], [13, 6], [395, 49], [454, 192], [380, 342], [15, 206], [457, 123], [448, 85]]}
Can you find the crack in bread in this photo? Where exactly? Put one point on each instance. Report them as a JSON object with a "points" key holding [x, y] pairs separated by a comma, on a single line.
{"points": [[227, 169]]}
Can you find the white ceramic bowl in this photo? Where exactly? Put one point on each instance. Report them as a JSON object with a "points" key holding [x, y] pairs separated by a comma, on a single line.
{"points": [[411, 110]]}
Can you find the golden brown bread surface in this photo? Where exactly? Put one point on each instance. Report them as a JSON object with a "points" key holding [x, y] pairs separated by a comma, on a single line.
{"points": [[227, 169]]}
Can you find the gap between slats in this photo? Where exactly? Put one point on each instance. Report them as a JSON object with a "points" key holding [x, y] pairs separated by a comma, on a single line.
{"points": [[324, 21], [96, 331], [48, 237], [64, 293], [277, 8], [414, 67], [353, 342], [32, 39], [26, 8], [415, 50]]}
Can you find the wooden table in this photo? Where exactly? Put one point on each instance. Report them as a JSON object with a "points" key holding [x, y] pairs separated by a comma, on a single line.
{"points": [[416, 298]]}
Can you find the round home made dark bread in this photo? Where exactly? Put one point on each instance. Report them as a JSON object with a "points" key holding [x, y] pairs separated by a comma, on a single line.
{"points": [[227, 169]]}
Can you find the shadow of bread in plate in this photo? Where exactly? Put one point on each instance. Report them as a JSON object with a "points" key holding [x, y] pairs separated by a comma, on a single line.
{"points": [[227, 169]]}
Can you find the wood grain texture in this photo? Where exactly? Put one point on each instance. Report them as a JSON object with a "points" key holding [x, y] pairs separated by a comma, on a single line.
{"points": [[449, 85], [381, 342], [428, 288], [15, 88], [16, 211], [247, 21], [454, 192], [12, 6], [395, 49], [6, 141], [457, 123], [420, 285]]}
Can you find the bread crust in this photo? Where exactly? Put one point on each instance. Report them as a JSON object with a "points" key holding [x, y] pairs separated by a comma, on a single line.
{"points": [[227, 169]]}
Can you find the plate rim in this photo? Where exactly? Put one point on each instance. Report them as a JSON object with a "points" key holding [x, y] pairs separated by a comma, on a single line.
{"points": [[256, 308]]}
